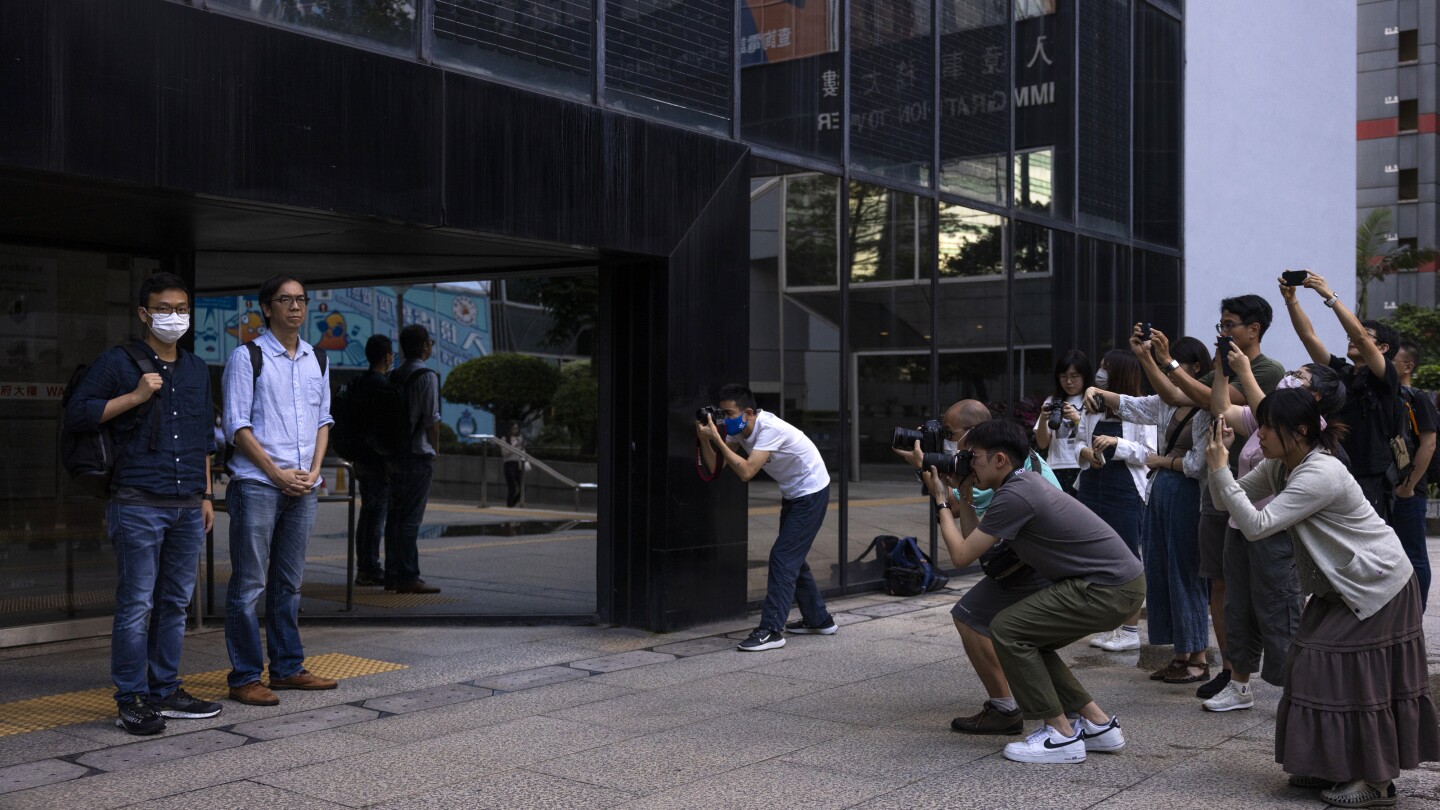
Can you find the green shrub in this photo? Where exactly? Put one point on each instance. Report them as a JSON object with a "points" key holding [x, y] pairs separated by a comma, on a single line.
{"points": [[512, 387], [577, 405], [1426, 378]]}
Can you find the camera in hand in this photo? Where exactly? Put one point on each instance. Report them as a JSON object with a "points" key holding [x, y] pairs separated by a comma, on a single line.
{"points": [[1145, 330], [712, 413], [1222, 345], [1057, 413], [1294, 278], [956, 464], [931, 436]]}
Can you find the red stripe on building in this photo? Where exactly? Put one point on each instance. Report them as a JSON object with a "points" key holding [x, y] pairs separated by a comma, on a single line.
{"points": [[1377, 128], [1429, 122]]}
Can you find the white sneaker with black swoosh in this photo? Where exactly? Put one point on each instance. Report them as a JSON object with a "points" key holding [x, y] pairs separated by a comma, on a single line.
{"points": [[1048, 745]]}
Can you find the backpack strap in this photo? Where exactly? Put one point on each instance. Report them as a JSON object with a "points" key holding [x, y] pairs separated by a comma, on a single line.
{"points": [[322, 359], [257, 359], [147, 410]]}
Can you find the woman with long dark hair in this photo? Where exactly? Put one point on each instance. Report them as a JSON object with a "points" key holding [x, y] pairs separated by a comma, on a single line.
{"points": [[1357, 706], [1113, 466], [1073, 374]]}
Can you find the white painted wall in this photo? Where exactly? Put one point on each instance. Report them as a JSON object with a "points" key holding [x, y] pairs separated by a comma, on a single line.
{"points": [[1269, 158]]}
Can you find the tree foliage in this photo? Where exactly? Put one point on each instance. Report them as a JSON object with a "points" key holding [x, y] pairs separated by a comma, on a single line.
{"points": [[1376, 258], [577, 404], [1420, 324], [573, 304], [512, 387]]}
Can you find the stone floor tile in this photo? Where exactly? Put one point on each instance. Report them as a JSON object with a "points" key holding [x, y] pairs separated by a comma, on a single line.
{"points": [[883, 657], [624, 660], [36, 745], [38, 773], [419, 699], [289, 725], [781, 784], [529, 678], [513, 789], [239, 796], [431, 723], [161, 749], [889, 609], [699, 646]]}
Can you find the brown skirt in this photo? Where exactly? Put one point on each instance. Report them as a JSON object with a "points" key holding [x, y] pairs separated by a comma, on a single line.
{"points": [[1357, 693]]}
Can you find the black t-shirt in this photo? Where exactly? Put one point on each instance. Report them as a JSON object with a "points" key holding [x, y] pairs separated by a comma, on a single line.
{"points": [[1371, 410], [1057, 535], [1427, 420]]}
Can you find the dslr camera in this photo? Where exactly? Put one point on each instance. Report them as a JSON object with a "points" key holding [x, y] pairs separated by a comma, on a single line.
{"points": [[930, 434], [1057, 413], [956, 464], [713, 414]]}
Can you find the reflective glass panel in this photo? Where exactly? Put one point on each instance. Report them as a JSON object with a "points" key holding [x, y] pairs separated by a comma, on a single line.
{"points": [[1104, 113], [972, 243], [890, 235], [791, 76], [1157, 126], [1044, 312], [1044, 97], [540, 42], [670, 59], [390, 23], [974, 98], [812, 212], [892, 88]]}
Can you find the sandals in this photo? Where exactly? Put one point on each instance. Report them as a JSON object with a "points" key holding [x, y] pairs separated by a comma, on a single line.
{"points": [[1311, 783], [1169, 670], [1359, 793], [1182, 674]]}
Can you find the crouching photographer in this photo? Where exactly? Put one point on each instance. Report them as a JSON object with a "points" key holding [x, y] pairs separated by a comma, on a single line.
{"points": [[1096, 583], [1006, 580], [795, 463]]}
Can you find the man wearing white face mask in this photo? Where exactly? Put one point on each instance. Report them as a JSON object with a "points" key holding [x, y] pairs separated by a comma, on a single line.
{"points": [[158, 396]]}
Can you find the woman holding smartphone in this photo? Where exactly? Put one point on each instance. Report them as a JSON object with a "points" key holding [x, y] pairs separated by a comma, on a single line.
{"points": [[1357, 706]]}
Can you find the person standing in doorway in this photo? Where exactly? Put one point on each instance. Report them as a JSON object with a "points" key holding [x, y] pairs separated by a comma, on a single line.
{"points": [[277, 417], [410, 472], [370, 469], [514, 464]]}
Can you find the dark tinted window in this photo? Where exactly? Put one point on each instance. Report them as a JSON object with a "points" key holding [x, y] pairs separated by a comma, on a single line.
{"points": [[543, 43], [892, 88], [1105, 116], [1043, 99], [390, 23], [670, 59], [791, 80], [974, 108], [1157, 126]]}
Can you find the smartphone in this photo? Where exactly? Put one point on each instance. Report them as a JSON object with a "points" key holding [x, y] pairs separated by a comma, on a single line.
{"points": [[1294, 278], [1097, 403], [1145, 331], [1222, 346], [1215, 428]]}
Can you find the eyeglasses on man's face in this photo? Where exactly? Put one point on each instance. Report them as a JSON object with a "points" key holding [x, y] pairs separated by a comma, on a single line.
{"points": [[290, 300], [1227, 326], [166, 309]]}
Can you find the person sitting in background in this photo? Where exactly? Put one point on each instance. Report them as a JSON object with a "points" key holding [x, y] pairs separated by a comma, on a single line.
{"points": [[1357, 706]]}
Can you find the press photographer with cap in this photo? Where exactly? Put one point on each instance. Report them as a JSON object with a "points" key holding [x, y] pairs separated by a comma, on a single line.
{"points": [[1096, 582]]}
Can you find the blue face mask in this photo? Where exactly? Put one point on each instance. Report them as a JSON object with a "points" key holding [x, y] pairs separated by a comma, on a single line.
{"points": [[733, 427]]}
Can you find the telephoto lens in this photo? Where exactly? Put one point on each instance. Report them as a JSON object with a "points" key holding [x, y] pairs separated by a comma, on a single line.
{"points": [[956, 464], [1057, 408], [904, 439]]}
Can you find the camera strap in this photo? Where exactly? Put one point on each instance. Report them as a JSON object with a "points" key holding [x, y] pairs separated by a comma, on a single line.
{"points": [[706, 475]]}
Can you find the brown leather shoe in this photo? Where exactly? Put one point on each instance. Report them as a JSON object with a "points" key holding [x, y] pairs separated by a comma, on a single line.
{"points": [[989, 720], [418, 586], [254, 694], [304, 679]]}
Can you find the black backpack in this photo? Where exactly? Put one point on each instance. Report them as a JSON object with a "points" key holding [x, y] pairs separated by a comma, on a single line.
{"points": [[352, 435], [908, 570], [257, 359], [392, 426], [90, 456]]}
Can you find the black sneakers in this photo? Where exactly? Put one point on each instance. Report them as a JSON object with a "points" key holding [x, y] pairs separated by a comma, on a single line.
{"points": [[137, 716], [762, 639], [799, 626], [1212, 688], [182, 705]]}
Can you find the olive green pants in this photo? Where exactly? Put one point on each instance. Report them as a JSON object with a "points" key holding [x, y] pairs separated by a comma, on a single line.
{"points": [[1028, 633]]}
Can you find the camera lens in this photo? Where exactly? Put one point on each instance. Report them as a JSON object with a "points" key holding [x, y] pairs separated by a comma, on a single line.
{"points": [[904, 439], [944, 462], [1056, 414]]}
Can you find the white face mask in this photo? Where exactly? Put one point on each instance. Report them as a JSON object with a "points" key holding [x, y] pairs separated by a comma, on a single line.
{"points": [[1102, 378], [951, 447], [169, 328]]}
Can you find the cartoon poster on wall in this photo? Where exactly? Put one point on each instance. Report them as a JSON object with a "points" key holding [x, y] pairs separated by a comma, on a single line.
{"points": [[341, 321]]}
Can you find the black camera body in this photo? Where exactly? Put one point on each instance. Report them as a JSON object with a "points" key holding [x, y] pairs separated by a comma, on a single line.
{"points": [[712, 413], [1057, 413], [930, 434], [956, 464]]}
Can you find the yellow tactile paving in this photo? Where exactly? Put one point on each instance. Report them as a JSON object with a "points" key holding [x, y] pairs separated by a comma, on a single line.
{"points": [[37, 714], [57, 601]]}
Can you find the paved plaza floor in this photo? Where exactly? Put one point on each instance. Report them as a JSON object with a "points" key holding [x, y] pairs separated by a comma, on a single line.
{"points": [[573, 717]]}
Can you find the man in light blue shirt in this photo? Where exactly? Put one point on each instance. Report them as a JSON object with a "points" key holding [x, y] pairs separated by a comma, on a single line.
{"points": [[278, 420]]}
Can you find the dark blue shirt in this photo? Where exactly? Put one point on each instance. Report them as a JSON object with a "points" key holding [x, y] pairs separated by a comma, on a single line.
{"points": [[176, 467]]}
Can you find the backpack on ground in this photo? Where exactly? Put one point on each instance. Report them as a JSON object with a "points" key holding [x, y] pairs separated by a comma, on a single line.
{"points": [[90, 456], [911, 572], [257, 359]]}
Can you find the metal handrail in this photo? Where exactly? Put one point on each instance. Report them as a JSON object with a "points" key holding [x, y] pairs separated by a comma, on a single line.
{"points": [[487, 439]]}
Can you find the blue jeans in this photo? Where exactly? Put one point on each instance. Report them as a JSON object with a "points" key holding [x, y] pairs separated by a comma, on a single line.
{"points": [[409, 491], [268, 535], [1110, 493], [156, 554], [1176, 596], [370, 526], [1407, 516], [790, 579]]}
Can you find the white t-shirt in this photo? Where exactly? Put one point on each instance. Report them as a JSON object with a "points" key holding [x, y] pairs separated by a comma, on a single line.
{"points": [[1065, 444], [794, 462]]}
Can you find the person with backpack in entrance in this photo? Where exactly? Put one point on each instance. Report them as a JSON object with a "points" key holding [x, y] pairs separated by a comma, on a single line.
{"points": [[354, 440], [277, 417], [154, 397], [411, 467]]}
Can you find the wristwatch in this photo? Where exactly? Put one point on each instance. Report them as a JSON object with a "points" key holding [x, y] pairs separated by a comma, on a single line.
{"points": [[942, 505], [1330, 302], [1171, 366], [208, 496]]}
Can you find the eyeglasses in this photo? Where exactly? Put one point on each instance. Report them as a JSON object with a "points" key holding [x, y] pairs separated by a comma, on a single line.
{"points": [[1368, 334], [429, 343], [290, 300], [166, 309], [1072, 376], [1226, 326]]}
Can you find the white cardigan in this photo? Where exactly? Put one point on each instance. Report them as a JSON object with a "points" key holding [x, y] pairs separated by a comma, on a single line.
{"points": [[1136, 444]]}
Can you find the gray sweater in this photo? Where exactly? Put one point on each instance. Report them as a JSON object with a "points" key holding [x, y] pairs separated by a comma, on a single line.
{"points": [[1341, 545]]}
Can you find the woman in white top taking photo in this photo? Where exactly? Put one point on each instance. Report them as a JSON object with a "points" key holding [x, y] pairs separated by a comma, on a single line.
{"points": [[1073, 374]]}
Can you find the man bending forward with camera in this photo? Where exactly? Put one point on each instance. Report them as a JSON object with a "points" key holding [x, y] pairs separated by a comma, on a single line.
{"points": [[1096, 583], [795, 464]]}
